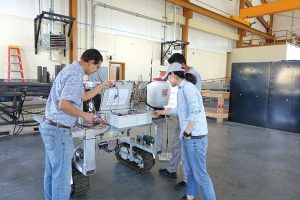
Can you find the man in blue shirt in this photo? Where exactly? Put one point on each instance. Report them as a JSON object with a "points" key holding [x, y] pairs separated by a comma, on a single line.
{"points": [[177, 157], [64, 106]]}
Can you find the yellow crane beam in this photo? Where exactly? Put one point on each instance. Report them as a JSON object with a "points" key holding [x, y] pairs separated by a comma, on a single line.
{"points": [[259, 18], [270, 8], [218, 17]]}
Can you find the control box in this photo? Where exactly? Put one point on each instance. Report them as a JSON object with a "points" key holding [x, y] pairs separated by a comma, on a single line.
{"points": [[120, 120], [116, 105]]}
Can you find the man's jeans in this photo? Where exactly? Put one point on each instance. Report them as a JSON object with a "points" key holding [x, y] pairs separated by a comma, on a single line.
{"points": [[59, 150], [195, 166]]}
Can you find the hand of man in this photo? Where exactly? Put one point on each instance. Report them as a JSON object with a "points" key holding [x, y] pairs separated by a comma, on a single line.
{"points": [[89, 117], [106, 85], [104, 121]]}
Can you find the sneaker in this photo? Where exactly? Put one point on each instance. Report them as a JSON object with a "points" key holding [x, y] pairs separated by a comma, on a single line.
{"points": [[184, 197], [165, 172], [180, 186]]}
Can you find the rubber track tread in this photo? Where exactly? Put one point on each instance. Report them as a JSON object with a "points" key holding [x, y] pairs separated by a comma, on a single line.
{"points": [[146, 156], [81, 183]]}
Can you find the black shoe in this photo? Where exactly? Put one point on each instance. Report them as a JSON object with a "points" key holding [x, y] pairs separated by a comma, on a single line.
{"points": [[180, 186], [165, 172]]}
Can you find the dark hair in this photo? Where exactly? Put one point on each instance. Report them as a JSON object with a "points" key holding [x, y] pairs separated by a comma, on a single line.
{"points": [[187, 76], [177, 57], [92, 54]]}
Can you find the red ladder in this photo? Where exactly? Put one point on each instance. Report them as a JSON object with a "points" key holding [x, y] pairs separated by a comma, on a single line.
{"points": [[16, 53]]}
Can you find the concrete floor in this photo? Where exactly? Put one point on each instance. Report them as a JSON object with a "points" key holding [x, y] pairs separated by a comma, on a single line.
{"points": [[244, 162]]}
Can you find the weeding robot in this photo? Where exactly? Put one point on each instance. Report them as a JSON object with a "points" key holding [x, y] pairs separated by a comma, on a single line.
{"points": [[122, 116]]}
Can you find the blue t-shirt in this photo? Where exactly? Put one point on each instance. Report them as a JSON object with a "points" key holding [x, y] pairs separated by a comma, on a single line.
{"points": [[198, 77], [68, 85]]}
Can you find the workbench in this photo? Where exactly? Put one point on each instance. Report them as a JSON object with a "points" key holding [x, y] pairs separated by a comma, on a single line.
{"points": [[219, 113]]}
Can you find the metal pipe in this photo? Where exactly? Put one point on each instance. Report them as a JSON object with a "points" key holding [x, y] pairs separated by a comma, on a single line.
{"points": [[92, 39], [129, 12], [109, 28], [51, 6], [165, 25], [175, 21], [51, 22], [86, 21], [40, 7], [117, 9]]}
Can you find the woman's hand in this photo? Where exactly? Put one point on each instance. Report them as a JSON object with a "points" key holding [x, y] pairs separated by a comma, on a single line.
{"points": [[156, 113]]}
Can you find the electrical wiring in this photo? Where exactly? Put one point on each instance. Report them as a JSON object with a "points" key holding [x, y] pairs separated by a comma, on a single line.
{"points": [[26, 111], [115, 97], [104, 146], [101, 127], [19, 130], [33, 113], [15, 113], [134, 106], [30, 125], [78, 144], [4, 119], [107, 129]]}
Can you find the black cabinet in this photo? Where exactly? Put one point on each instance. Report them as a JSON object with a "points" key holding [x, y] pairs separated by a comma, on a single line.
{"points": [[284, 98], [249, 93], [266, 95]]}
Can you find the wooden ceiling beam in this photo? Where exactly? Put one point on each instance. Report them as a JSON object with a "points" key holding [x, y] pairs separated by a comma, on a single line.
{"points": [[74, 33], [218, 17], [263, 1], [241, 32], [188, 14]]}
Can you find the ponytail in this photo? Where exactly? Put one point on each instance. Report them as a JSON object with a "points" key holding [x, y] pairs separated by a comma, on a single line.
{"points": [[187, 76], [190, 78]]}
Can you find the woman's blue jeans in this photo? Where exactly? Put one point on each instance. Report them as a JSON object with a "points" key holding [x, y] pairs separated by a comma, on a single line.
{"points": [[198, 179]]}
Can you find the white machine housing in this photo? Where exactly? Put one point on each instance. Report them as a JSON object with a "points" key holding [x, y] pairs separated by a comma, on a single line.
{"points": [[129, 120], [158, 94], [116, 103]]}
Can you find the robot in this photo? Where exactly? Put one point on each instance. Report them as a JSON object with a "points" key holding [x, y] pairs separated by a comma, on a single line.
{"points": [[122, 115]]}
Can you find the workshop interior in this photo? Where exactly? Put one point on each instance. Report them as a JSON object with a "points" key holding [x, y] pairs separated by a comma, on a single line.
{"points": [[246, 51]]}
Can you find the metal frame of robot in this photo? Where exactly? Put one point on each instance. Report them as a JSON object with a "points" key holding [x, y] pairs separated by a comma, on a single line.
{"points": [[87, 165]]}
